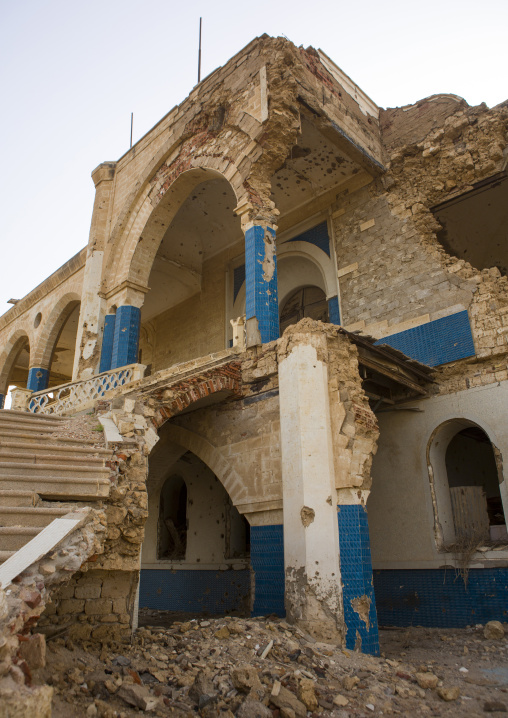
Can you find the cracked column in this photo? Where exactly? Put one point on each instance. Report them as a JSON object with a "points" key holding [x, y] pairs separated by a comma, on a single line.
{"points": [[262, 305], [311, 538]]}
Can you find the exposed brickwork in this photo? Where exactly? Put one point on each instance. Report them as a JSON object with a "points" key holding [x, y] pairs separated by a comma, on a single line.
{"points": [[180, 396]]}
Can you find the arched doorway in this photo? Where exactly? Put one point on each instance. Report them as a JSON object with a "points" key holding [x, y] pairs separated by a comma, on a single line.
{"points": [[187, 279], [466, 475], [195, 555], [473, 480], [62, 355]]}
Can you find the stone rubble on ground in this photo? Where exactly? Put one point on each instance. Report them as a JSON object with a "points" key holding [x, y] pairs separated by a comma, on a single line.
{"points": [[214, 667]]}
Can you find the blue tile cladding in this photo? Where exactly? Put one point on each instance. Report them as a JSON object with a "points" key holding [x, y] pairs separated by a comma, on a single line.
{"points": [[261, 295], [267, 559], [208, 591], [438, 598], [333, 310], [438, 342], [107, 343], [238, 280], [318, 236], [126, 336], [356, 574], [38, 379]]}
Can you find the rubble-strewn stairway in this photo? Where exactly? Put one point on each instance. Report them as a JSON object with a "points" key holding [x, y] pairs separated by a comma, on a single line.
{"points": [[36, 466]]}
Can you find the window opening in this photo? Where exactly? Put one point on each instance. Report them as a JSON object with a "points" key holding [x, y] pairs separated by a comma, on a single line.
{"points": [[305, 302]]}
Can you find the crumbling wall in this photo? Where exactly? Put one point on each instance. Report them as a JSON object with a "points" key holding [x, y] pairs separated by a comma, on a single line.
{"points": [[22, 603], [395, 273]]}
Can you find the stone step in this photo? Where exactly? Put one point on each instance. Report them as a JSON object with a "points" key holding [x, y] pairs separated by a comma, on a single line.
{"points": [[26, 427], [57, 487], [18, 468], [30, 516], [51, 455], [14, 415], [4, 555], [13, 538], [34, 437], [18, 498], [53, 446]]}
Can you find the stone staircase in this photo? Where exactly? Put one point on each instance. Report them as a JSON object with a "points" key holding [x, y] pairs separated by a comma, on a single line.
{"points": [[38, 469]]}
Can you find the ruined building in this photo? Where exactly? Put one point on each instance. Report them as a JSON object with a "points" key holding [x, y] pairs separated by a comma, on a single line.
{"points": [[291, 323]]}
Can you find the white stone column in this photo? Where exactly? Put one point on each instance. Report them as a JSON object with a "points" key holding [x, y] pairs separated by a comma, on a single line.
{"points": [[311, 540]]}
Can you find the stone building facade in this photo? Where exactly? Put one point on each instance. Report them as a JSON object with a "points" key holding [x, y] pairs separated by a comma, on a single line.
{"points": [[291, 320]]}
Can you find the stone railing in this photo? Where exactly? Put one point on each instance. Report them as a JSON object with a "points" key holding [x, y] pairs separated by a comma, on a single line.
{"points": [[78, 395]]}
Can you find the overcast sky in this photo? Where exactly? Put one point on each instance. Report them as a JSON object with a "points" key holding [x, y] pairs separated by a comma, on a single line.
{"points": [[72, 72]]}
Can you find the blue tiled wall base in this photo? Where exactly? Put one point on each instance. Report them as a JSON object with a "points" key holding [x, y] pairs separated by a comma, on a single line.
{"points": [[238, 280], [126, 336], [438, 342], [2, 401], [261, 296], [37, 379], [267, 559], [356, 574], [333, 310], [107, 343], [437, 598], [213, 592], [318, 236]]}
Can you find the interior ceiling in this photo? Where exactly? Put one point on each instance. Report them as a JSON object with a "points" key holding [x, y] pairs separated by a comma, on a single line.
{"points": [[204, 225], [315, 166], [475, 225]]}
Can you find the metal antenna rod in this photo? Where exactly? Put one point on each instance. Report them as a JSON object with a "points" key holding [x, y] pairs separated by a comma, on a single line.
{"points": [[199, 53], [132, 122]]}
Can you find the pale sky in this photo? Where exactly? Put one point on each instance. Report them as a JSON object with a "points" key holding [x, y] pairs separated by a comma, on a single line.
{"points": [[71, 73]]}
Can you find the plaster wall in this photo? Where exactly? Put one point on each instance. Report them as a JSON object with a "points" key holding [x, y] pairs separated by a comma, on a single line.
{"points": [[208, 536], [400, 506]]}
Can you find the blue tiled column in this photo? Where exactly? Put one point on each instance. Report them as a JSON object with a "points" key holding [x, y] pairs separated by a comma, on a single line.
{"points": [[261, 290], [267, 559], [333, 310], [357, 580], [126, 336], [2, 401], [38, 379], [107, 342]]}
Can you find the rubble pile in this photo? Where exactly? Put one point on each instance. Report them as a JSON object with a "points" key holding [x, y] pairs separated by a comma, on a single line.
{"points": [[266, 668]]}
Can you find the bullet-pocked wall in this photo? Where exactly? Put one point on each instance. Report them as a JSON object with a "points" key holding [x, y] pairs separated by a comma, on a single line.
{"points": [[195, 555]]}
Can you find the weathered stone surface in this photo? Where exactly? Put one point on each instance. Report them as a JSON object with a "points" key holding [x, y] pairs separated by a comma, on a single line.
{"points": [[287, 701], [33, 651], [493, 630], [426, 680], [138, 696], [449, 693]]}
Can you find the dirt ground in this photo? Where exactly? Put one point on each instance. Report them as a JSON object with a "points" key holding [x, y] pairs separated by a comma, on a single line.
{"points": [[265, 668]]}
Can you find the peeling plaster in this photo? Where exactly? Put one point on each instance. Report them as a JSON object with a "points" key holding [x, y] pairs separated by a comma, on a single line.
{"points": [[361, 606], [269, 261], [307, 515]]}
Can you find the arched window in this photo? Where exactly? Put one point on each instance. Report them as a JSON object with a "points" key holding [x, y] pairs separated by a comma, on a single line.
{"points": [[172, 534], [473, 478], [307, 301]]}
